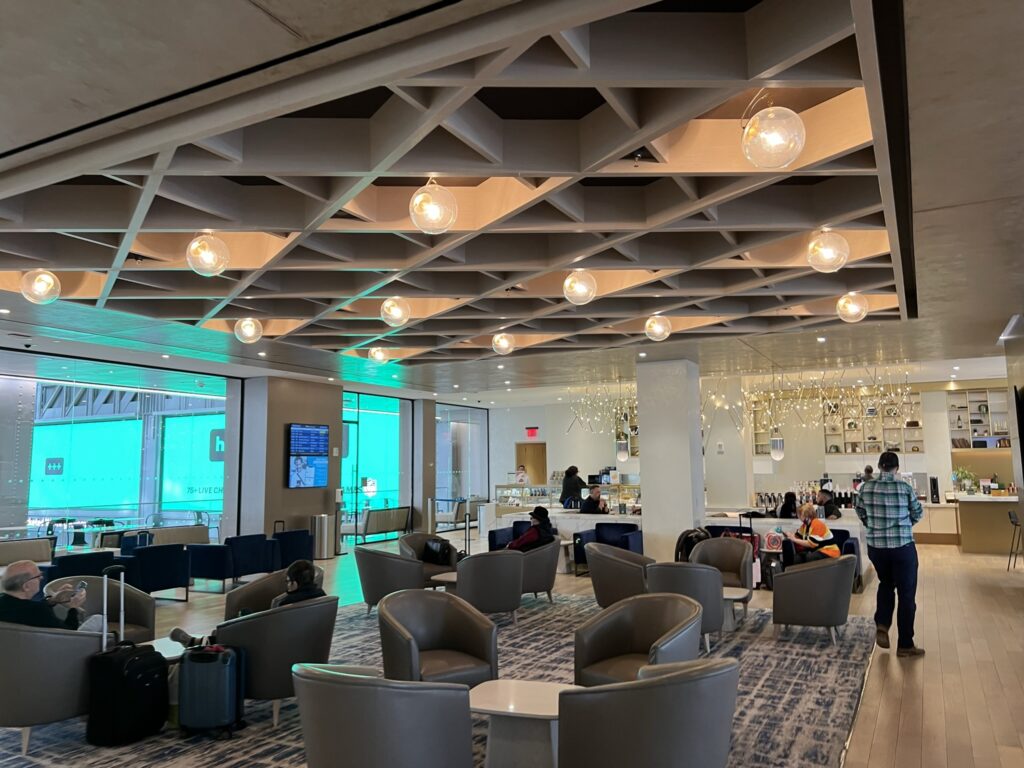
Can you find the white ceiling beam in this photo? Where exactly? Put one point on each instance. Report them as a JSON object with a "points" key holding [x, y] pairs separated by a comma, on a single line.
{"points": [[227, 146], [575, 44], [478, 128]]}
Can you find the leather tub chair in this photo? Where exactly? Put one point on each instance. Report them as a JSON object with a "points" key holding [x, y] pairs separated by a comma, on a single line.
{"points": [[616, 573], [261, 594], [733, 557], [612, 646], [274, 640], [702, 583], [539, 568], [680, 710], [139, 608], [492, 582], [412, 545], [436, 637], [383, 723], [51, 666], [815, 594], [381, 573]]}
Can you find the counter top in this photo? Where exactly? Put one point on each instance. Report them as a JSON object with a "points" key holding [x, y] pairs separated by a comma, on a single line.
{"points": [[984, 498]]}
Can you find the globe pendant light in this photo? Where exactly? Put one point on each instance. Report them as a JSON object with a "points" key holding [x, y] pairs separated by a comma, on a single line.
{"points": [[621, 450], [852, 307], [503, 343], [828, 251], [40, 286], [657, 328], [395, 311], [248, 330], [433, 209], [207, 255], [773, 138], [579, 287], [777, 445], [378, 354]]}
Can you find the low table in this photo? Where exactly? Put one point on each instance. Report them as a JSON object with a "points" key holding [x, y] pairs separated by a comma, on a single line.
{"points": [[449, 579], [523, 731], [731, 596], [169, 649]]}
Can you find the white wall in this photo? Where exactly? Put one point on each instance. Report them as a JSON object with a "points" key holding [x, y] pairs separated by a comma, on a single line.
{"points": [[937, 456], [728, 461], [587, 450]]}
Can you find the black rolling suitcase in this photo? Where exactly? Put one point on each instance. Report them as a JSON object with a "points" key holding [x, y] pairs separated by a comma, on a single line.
{"points": [[127, 687]]}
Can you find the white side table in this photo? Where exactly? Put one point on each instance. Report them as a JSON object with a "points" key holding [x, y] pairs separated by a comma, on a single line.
{"points": [[447, 580], [523, 731], [731, 596]]}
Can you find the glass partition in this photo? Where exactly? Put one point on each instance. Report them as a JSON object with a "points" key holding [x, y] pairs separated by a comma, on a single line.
{"points": [[376, 453], [462, 453]]}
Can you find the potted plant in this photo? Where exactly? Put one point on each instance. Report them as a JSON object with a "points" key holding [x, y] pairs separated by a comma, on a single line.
{"points": [[964, 478]]}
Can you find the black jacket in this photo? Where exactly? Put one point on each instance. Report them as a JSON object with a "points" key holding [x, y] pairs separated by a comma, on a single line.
{"points": [[571, 487], [32, 613], [302, 594]]}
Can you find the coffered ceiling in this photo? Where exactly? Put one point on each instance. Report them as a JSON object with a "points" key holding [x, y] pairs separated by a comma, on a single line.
{"points": [[600, 135]]}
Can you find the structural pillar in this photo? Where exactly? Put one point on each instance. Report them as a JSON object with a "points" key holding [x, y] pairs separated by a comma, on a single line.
{"points": [[728, 458], [424, 461], [672, 477]]}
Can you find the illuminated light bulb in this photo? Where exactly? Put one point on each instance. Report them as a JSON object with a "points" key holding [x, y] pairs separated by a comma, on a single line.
{"points": [[777, 446], [852, 307], [503, 343], [657, 328], [378, 354], [828, 252], [433, 209], [773, 138], [395, 311], [579, 287], [248, 330], [40, 286], [621, 450], [207, 255]]}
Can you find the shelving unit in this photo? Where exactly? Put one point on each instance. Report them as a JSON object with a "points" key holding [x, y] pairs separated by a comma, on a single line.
{"points": [[853, 429], [762, 434], [978, 419]]}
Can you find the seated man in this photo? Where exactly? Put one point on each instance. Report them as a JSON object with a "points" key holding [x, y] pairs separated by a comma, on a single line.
{"points": [[826, 501], [21, 583], [812, 540], [594, 504], [300, 586]]}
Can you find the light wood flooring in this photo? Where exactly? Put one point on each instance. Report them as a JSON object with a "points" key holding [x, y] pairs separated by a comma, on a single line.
{"points": [[961, 706]]}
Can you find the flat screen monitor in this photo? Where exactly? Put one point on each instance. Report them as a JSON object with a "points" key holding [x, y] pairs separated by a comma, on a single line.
{"points": [[308, 449], [307, 471], [308, 439]]}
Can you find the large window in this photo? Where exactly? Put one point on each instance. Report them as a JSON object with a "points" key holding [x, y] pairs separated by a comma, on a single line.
{"points": [[376, 454], [462, 458]]}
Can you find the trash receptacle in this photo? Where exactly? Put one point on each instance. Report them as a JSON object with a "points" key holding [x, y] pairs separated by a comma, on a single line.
{"points": [[320, 528]]}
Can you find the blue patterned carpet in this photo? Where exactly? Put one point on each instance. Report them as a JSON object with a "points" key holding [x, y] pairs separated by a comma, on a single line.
{"points": [[798, 696]]}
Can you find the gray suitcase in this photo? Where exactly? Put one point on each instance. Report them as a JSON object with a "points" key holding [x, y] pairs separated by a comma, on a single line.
{"points": [[210, 689]]}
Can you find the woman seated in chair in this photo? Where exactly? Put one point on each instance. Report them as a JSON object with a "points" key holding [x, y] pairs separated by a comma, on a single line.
{"points": [[811, 541], [539, 533]]}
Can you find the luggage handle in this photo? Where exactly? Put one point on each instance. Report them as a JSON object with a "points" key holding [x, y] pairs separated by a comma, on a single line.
{"points": [[119, 569]]}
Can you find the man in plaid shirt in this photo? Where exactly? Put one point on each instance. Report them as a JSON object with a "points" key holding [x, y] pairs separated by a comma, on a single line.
{"points": [[888, 508]]}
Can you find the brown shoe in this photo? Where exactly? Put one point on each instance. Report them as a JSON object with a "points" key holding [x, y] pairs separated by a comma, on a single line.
{"points": [[911, 652], [882, 636]]}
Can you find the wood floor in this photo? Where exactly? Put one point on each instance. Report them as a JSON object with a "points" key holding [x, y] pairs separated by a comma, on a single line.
{"points": [[961, 706]]}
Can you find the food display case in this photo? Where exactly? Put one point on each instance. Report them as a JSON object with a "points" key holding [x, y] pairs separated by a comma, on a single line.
{"points": [[623, 499], [514, 497]]}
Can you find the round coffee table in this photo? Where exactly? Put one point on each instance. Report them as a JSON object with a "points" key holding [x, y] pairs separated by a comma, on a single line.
{"points": [[446, 580], [523, 730], [731, 596]]}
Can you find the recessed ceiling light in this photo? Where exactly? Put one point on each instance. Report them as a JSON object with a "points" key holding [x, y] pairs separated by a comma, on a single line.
{"points": [[507, 383], [501, 367], [435, 394], [503, 318], [559, 398], [860, 381], [952, 375], [642, 354], [262, 354], [956, 367], [330, 378], [456, 386], [822, 339], [63, 367], [465, 398], [166, 357], [111, 370], [509, 389], [56, 341], [5, 311], [394, 375]]}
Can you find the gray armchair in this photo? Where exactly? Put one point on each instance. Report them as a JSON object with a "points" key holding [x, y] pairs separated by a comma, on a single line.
{"points": [[539, 568], [378, 723], [139, 608], [815, 594], [612, 646], [274, 640], [50, 667], [616, 573], [436, 637], [733, 557], [492, 582], [678, 714], [703, 583], [381, 573], [261, 594], [412, 545]]}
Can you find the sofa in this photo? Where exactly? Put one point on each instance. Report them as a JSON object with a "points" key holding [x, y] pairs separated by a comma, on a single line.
{"points": [[37, 550], [622, 535]]}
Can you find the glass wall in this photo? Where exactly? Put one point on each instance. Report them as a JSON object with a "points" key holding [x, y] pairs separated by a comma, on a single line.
{"points": [[376, 453], [462, 452]]}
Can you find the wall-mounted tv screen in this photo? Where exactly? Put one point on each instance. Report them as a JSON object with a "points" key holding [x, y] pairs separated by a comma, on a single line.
{"points": [[308, 448]]}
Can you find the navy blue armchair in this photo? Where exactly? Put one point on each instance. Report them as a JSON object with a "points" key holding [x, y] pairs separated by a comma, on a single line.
{"points": [[502, 537], [132, 541], [253, 553], [211, 561], [159, 567], [622, 535], [294, 545], [83, 564]]}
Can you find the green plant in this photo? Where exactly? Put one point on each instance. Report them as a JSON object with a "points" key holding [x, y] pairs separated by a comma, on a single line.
{"points": [[963, 476]]}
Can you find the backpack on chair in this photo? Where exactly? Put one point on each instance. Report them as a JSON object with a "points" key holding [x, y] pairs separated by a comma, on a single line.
{"points": [[687, 540]]}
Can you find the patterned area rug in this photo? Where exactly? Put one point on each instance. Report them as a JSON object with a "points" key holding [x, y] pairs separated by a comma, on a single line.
{"points": [[798, 696]]}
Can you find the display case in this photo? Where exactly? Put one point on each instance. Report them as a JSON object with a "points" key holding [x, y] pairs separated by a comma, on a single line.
{"points": [[514, 497], [978, 418], [623, 499]]}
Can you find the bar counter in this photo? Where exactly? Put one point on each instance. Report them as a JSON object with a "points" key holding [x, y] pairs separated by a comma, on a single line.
{"points": [[984, 523]]}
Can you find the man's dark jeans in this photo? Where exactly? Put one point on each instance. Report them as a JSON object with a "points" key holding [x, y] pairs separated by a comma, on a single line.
{"points": [[897, 571]]}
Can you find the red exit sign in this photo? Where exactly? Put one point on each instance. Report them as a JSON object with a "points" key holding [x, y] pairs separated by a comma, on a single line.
{"points": [[532, 433]]}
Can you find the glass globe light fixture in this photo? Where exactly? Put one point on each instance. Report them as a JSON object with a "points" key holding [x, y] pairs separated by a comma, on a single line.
{"points": [[378, 354], [621, 450], [503, 343], [395, 311], [828, 252], [773, 138], [657, 328], [433, 209], [207, 255], [579, 287], [777, 446], [852, 307], [40, 286], [248, 330]]}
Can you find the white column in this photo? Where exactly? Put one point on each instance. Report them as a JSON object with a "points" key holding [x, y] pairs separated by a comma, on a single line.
{"points": [[729, 460], [424, 455], [672, 478]]}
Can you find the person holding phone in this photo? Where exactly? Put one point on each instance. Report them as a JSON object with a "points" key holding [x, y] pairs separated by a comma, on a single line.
{"points": [[21, 583]]}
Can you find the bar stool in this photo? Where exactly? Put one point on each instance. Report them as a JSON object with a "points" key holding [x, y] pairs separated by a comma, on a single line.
{"points": [[1016, 540]]}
